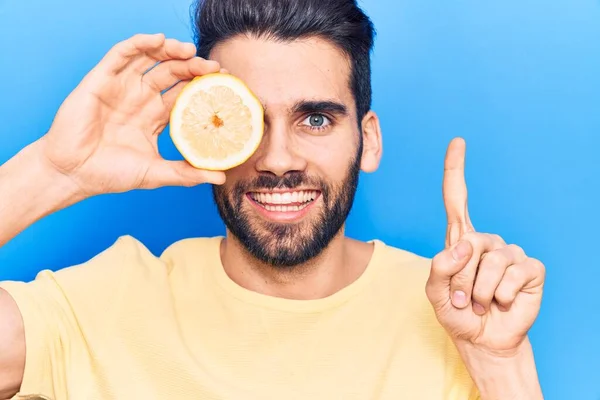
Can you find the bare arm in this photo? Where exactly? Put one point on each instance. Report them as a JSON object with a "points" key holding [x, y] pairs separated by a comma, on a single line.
{"points": [[511, 376], [12, 347], [104, 139], [30, 190]]}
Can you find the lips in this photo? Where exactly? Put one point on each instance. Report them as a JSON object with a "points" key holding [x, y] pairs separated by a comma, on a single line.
{"points": [[283, 206], [292, 201]]}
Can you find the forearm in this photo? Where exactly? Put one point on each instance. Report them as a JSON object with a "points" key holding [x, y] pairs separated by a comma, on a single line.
{"points": [[30, 189], [504, 377]]}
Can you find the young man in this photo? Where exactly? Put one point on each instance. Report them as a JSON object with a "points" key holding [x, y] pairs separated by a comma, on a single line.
{"points": [[285, 306]]}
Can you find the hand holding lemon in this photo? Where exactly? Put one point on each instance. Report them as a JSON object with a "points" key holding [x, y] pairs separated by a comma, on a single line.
{"points": [[104, 138], [217, 123]]}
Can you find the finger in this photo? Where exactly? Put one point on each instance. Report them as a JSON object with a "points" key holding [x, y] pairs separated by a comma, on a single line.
{"points": [[180, 173], [124, 52], [168, 73], [526, 276], [489, 275], [443, 267], [461, 283], [172, 49], [454, 190], [170, 96], [224, 71]]}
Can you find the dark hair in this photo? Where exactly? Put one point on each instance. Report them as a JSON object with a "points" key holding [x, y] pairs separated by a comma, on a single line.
{"points": [[342, 22]]}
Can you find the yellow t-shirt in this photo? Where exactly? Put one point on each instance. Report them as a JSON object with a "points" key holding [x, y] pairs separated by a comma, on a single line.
{"points": [[129, 325]]}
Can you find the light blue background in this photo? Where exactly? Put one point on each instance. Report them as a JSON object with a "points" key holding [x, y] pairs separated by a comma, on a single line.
{"points": [[520, 80]]}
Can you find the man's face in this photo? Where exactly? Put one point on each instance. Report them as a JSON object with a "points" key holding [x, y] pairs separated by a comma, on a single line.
{"points": [[292, 197]]}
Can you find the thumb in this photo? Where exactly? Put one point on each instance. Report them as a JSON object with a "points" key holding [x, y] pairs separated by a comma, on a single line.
{"points": [[443, 267], [180, 173]]}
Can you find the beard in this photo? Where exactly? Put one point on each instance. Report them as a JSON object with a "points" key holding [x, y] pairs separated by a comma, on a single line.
{"points": [[283, 245]]}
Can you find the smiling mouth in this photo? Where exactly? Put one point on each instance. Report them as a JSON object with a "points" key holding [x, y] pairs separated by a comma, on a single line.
{"points": [[292, 201]]}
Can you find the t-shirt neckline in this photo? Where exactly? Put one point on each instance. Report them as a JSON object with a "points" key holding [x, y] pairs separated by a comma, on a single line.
{"points": [[292, 305]]}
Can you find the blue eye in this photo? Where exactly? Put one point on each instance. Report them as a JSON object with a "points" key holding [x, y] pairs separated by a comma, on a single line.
{"points": [[317, 121]]}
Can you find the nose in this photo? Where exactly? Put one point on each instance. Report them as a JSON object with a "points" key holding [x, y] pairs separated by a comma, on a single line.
{"points": [[279, 153]]}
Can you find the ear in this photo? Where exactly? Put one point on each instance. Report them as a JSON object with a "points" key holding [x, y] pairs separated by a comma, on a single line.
{"points": [[372, 143]]}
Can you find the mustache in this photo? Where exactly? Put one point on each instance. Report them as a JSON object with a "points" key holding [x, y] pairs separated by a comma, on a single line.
{"points": [[290, 180]]}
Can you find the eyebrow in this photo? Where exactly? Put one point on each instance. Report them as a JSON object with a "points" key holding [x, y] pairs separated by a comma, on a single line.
{"points": [[325, 106]]}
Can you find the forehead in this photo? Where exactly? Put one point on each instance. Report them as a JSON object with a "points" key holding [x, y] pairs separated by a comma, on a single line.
{"points": [[281, 73]]}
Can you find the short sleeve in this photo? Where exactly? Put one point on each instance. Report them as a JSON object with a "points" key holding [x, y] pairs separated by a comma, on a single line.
{"points": [[51, 306]]}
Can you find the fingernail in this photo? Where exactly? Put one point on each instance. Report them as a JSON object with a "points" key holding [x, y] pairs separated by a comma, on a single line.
{"points": [[460, 251], [459, 299], [478, 309]]}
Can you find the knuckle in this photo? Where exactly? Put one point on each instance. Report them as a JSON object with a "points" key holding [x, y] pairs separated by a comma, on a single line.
{"points": [[137, 36], [494, 259], [538, 266], [475, 239], [517, 250], [150, 83], [472, 236], [481, 295], [514, 275], [134, 40], [439, 260], [121, 46], [503, 296], [429, 289], [443, 263], [461, 281], [497, 239], [142, 38], [175, 72]]}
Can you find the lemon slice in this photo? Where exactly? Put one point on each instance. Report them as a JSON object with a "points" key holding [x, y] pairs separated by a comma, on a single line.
{"points": [[216, 123]]}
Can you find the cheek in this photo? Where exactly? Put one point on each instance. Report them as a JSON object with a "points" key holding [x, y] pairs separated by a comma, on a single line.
{"points": [[331, 166], [333, 150], [332, 161], [239, 174]]}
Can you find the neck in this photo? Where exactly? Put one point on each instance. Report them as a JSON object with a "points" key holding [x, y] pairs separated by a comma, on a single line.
{"points": [[340, 264]]}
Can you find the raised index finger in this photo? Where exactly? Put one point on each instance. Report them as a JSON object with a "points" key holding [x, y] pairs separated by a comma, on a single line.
{"points": [[454, 190]]}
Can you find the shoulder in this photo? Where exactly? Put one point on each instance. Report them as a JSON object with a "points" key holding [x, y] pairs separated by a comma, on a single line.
{"points": [[126, 255], [199, 250], [397, 262], [196, 245]]}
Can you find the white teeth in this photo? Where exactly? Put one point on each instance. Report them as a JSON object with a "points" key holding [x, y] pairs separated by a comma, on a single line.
{"points": [[285, 202], [286, 198], [308, 196], [284, 208]]}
